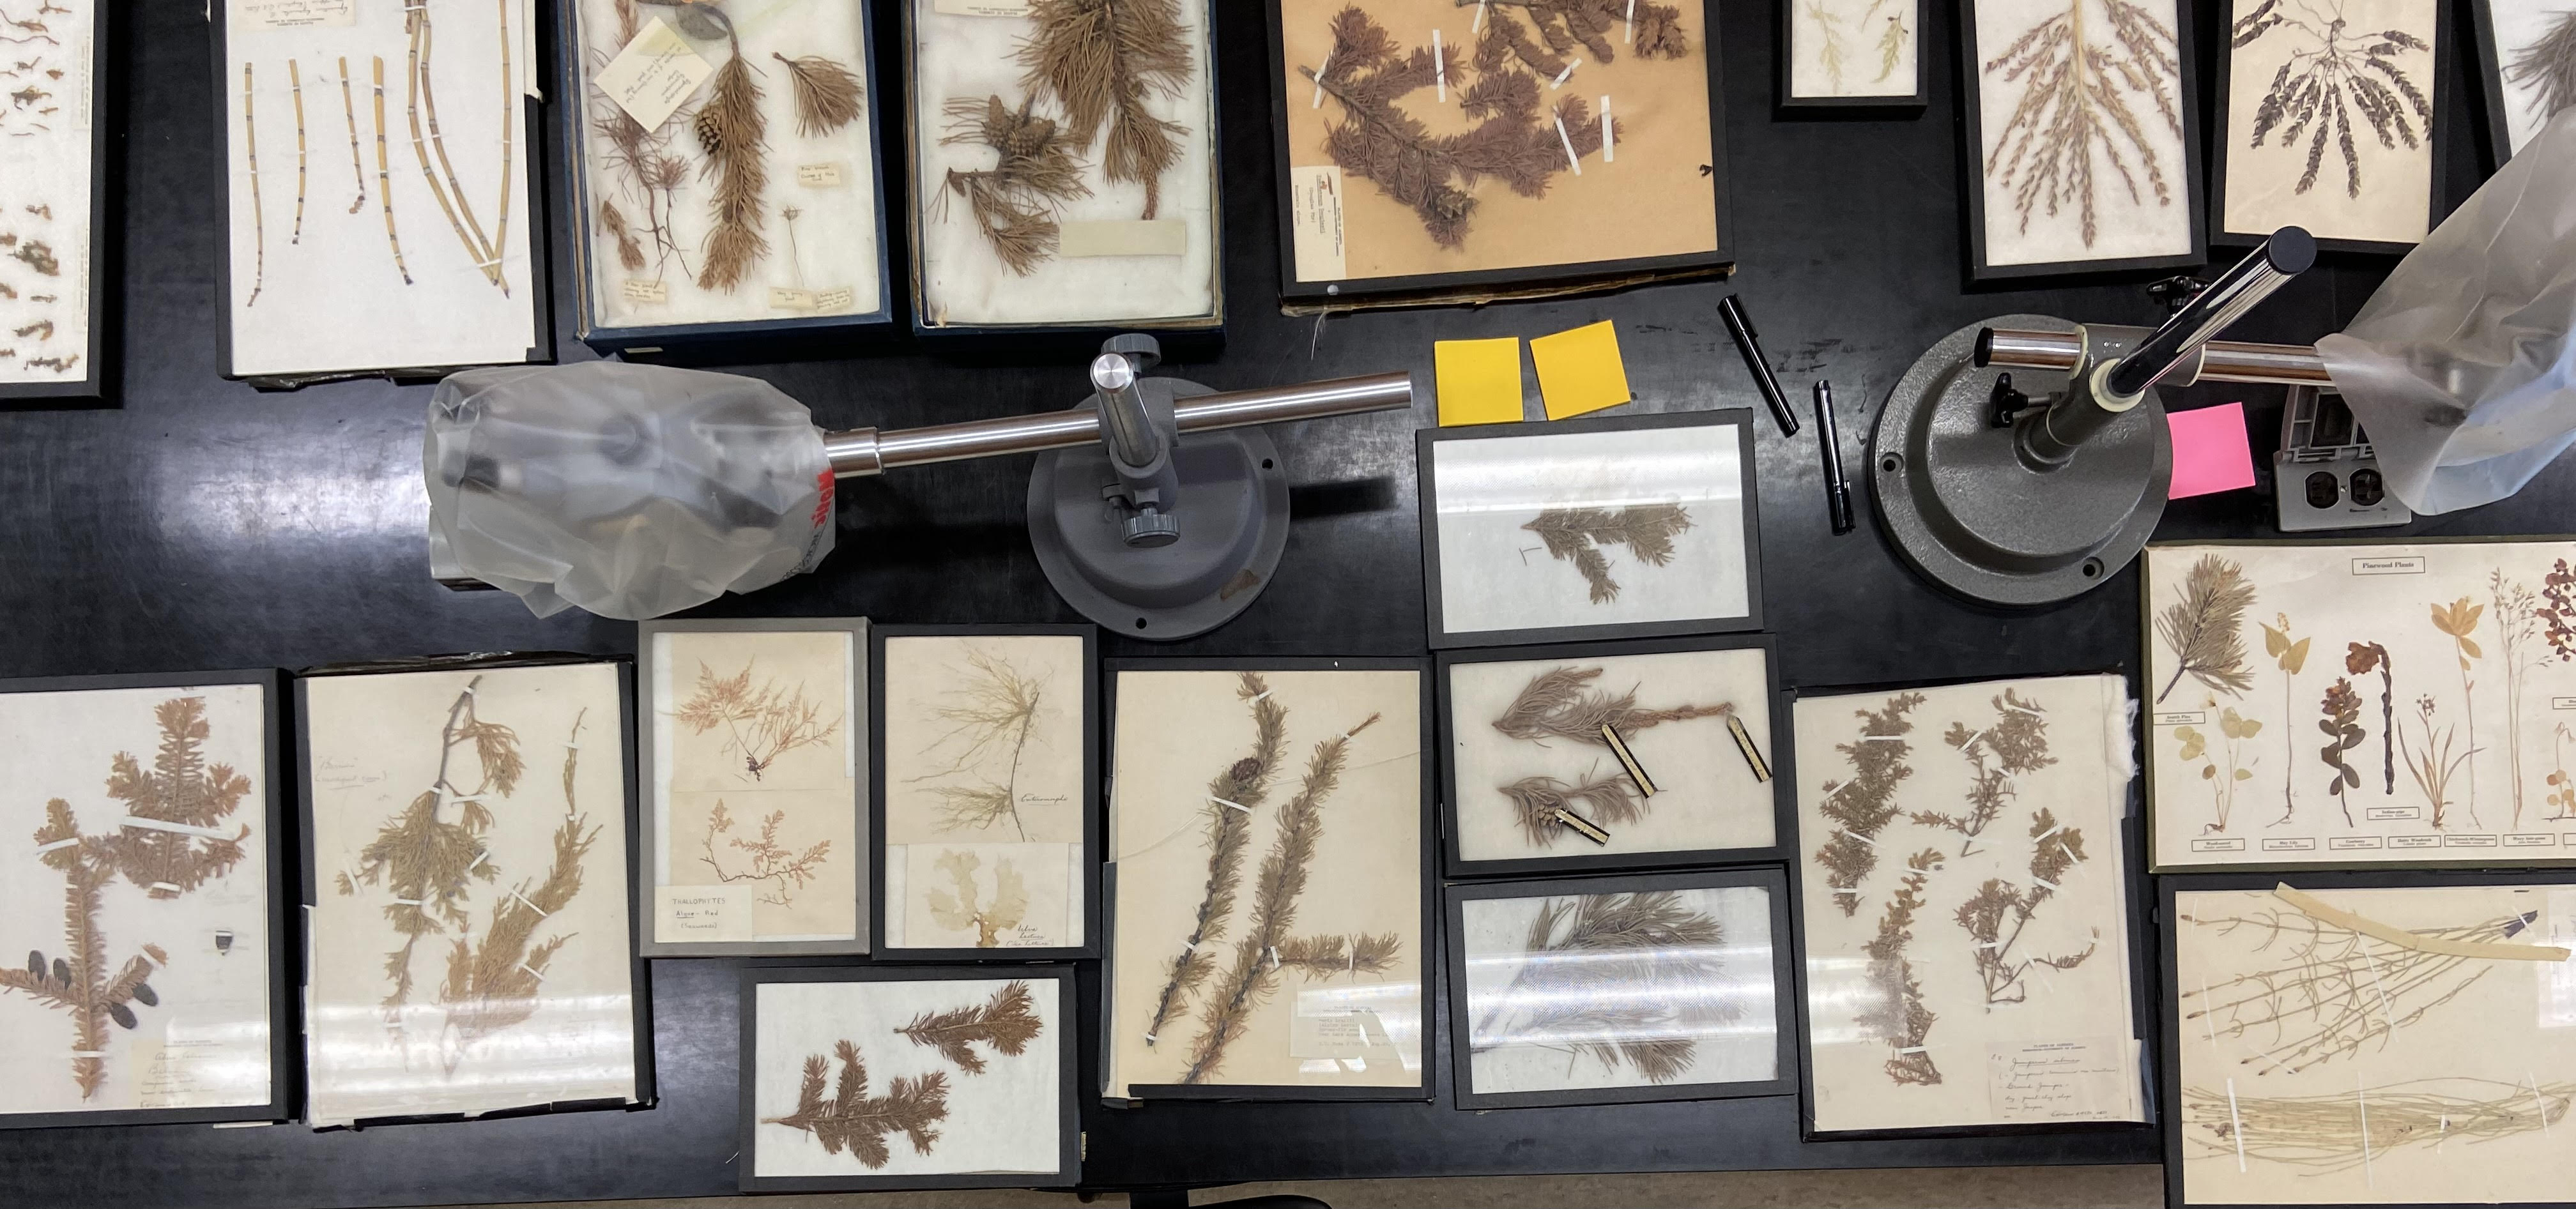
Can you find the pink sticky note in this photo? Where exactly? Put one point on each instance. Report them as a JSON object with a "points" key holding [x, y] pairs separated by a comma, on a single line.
{"points": [[2209, 450]]}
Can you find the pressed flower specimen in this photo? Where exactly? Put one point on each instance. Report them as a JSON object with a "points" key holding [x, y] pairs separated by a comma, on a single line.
{"points": [[2517, 628], [2342, 729], [2361, 659], [2435, 759], [2288, 655], [2233, 729], [2459, 620]]}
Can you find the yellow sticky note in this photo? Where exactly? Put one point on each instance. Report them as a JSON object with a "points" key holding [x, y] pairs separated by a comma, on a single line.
{"points": [[1480, 380], [1580, 370]]}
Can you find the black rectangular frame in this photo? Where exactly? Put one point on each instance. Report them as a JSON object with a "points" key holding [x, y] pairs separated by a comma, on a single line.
{"points": [[1068, 1053], [1784, 794], [97, 384], [1091, 945], [1972, 150], [638, 970], [1428, 515], [1785, 1037], [1543, 280], [1152, 1093], [648, 794], [2490, 82], [1891, 105], [285, 948]]}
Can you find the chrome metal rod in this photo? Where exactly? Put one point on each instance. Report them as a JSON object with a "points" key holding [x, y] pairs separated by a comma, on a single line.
{"points": [[2288, 253], [2220, 360], [864, 451], [1129, 431]]}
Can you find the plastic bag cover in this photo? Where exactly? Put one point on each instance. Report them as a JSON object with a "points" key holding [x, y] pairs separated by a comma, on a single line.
{"points": [[630, 490], [2460, 367]]}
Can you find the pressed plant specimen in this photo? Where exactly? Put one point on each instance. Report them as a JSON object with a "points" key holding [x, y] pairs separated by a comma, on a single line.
{"points": [[1006, 1024], [854, 1120], [2436, 760], [991, 721], [1034, 173], [762, 722], [966, 909], [1999, 903], [2320, 991], [2517, 627], [493, 981], [2361, 659], [2288, 655], [295, 89], [2201, 627], [2341, 1131], [2232, 729], [258, 219], [1563, 703], [1830, 48], [2558, 610], [1103, 61], [780, 865], [2547, 66], [1232, 793], [2342, 729], [420, 106], [828, 95], [169, 843], [643, 157], [1320, 958], [2459, 620], [1623, 979], [1537, 800], [2016, 742], [735, 138], [1578, 535], [1898, 1012], [1861, 806], [1276, 887], [2562, 786], [2086, 95], [1653, 30], [349, 110], [2332, 72], [384, 177]]}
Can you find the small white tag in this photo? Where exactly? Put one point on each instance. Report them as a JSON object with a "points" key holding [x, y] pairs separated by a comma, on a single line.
{"points": [[820, 176], [791, 300], [682, 914], [1080, 238], [1315, 221], [841, 299], [638, 290], [983, 8], [653, 75]]}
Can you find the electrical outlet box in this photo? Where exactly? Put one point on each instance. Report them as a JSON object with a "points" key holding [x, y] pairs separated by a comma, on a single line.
{"points": [[2326, 475]]}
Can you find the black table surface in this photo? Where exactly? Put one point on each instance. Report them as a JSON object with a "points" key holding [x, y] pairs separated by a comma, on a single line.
{"points": [[200, 524]]}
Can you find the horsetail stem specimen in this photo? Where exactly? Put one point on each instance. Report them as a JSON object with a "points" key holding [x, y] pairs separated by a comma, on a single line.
{"points": [[384, 183], [258, 226], [420, 103], [295, 88], [349, 109]]}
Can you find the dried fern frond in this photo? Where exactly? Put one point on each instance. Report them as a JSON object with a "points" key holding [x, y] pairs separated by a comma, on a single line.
{"points": [[1014, 202], [1232, 794], [2202, 628], [1608, 800], [2547, 66], [1104, 61], [828, 95], [858, 1122], [1006, 1023], [1632, 979], [734, 135]]}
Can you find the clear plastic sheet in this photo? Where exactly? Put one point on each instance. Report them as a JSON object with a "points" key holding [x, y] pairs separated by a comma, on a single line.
{"points": [[629, 490], [2460, 366]]}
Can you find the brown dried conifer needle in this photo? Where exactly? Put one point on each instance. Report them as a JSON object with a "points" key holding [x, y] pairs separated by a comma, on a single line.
{"points": [[734, 135], [1232, 794], [2202, 627], [854, 1119], [494, 983], [828, 95], [384, 178], [1014, 201], [1104, 61], [349, 109], [1007, 1023], [2547, 66]]}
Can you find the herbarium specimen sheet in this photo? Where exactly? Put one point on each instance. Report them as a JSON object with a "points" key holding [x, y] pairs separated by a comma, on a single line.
{"points": [[1650, 988], [376, 161], [1604, 528], [1266, 830], [1065, 152], [1854, 49], [2329, 122], [2081, 108], [756, 761], [2360, 703], [1526, 742], [48, 79], [984, 796], [2535, 49], [2343, 1047], [1435, 136], [728, 161], [469, 930], [1966, 927], [137, 898], [908, 1078]]}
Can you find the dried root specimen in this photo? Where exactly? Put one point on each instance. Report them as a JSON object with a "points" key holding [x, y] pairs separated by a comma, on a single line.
{"points": [[996, 712], [964, 911], [1998, 902], [855, 1120], [2232, 729], [1103, 61], [1232, 794], [2339, 1132], [2332, 71], [1860, 807], [761, 724], [2202, 628], [783, 867], [1014, 202], [1899, 1014], [2547, 66], [1608, 800], [828, 95], [1318, 958], [2015, 742], [2082, 91], [1006, 1023], [1577, 535], [735, 138], [1630, 979]]}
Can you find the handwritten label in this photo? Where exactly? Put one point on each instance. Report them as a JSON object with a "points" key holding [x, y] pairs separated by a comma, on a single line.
{"points": [[841, 299], [2190, 717], [2388, 566], [260, 16], [2391, 814], [1327, 1026], [2236, 845], [791, 300], [653, 75], [984, 8], [179, 1074], [2055, 1080], [1080, 238], [820, 176], [2278, 844], [637, 289], [702, 914], [1315, 221]]}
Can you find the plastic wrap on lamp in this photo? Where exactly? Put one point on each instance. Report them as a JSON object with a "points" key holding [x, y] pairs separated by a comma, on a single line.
{"points": [[2460, 367], [629, 490]]}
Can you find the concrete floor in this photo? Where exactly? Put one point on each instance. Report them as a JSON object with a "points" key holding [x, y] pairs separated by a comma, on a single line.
{"points": [[2136, 1187]]}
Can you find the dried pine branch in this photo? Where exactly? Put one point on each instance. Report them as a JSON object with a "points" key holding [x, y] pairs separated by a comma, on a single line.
{"points": [[1578, 534], [1620, 978], [1316, 958], [2331, 72], [2547, 66], [494, 983], [1104, 61], [2081, 92], [734, 136], [1232, 794], [2015, 742], [1006, 1023], [1899, 1015], [2202, 628], [1014, 202], [828, 95], [642, 156], [1863, 805], [1609, 800], [860, 1122]]}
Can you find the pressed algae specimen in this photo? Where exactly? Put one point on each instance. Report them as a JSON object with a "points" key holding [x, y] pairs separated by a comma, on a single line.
{"points": [[990, 723], [1623, 979], [1232, 793], [965, 910], [772, 861], [1861, 806], [2332, 72], [855, 1121], [760, 723], [1005, 1024]]}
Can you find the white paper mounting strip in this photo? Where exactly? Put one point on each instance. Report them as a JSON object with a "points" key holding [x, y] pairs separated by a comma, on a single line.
{"points": [[1568, 140], [1609, 133], [1439, 66], [1317, 103], [212, 833], [1229, 805], [2236, 1125], [541, 912], [57, 845]]}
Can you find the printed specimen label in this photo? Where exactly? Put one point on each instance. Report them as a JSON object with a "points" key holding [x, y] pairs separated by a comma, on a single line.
{"points": [[2409, 565], [1315, 221], [2289, 845], [2346, 843], [653, 75], [2414, 841], [2392, 814], [984, 8], [2192, 717], [2218, 845]]}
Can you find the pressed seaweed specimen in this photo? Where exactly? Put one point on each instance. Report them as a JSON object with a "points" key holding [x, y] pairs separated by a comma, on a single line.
{"points": [[2339, 1131], [2361, 659], [1578, 535], [1034, 172], [2016, 742], [1861, 806], [2202, 627], [966, 910], [2320, 991], [785, 869], [734, 136], [1654, 30], [1104, 61], [2341, 726], [1830, 53], [2079, 110], [1006, 1023], [852, 1118], [2436, 761], [761, 723], [1275, 890], [2547, 66], [1633, 979], [2233, 729], [295, 88], [2056, 849], [995, 713], [828, 95], [2459, 620], [258, 220], [2332, 71], [1231, 795], [169, 844], [349, 110], [384, 177], [2517, 627], [2288, 655], [1899, 1014], [492, 983]]}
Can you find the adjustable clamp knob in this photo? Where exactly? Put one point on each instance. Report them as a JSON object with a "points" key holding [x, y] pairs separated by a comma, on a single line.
{"points": [[1150, 527]]}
